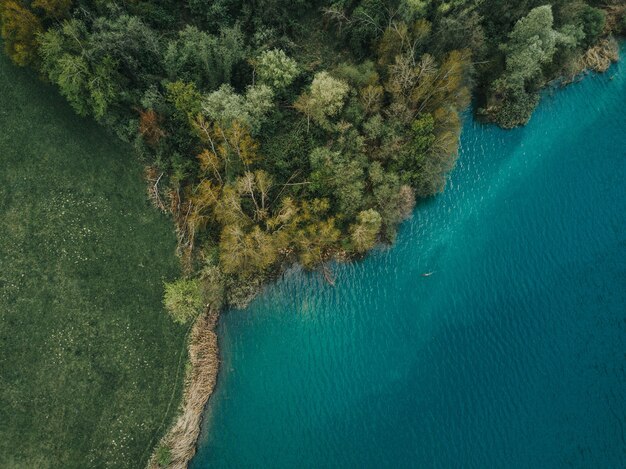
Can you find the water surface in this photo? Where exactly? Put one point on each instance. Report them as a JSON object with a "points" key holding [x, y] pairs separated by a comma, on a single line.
{"points": [[512, 354]]}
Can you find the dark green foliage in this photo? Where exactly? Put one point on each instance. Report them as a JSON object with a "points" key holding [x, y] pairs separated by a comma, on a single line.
{"points": [[213, 14], [110, 65], [208, 61], [516, 105], [281, 131], [422, 140], [593, 21], [337, 176], [530, 51]]}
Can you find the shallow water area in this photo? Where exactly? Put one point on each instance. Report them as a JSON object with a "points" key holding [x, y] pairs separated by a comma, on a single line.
{"points": [[511, 354]]}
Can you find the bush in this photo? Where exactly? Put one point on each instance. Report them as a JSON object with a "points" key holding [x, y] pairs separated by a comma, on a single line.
{"points": [[183, 299], [163, 456], [516, 105]]}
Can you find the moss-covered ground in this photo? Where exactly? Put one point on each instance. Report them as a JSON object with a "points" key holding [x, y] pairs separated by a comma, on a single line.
{"points": [[89, 361]]}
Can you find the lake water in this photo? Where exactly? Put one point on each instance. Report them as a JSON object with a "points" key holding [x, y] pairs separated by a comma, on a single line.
{"points": [[512, 354]]}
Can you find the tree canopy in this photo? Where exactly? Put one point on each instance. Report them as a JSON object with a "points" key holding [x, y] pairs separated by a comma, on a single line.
{"points": [[277, 131]]}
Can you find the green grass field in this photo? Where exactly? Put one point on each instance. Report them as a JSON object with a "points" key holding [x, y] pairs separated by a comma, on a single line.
{"points": [[88, 357]]}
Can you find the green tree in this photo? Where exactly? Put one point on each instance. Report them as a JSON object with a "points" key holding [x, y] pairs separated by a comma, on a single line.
{"points": [[132, 45], [207, 61], [276, 69], [225, 106], [183, 299], [530, 47], [391, 199], [593, 21], [246, 252], [91, 87], [339, 178], [324, 99], [185, 98]]}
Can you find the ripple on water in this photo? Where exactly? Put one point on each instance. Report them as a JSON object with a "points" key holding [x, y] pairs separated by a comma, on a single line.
{"points": [[510, 355]]}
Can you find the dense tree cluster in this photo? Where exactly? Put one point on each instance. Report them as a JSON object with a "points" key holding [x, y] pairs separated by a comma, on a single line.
{"points": [[280, 131]]}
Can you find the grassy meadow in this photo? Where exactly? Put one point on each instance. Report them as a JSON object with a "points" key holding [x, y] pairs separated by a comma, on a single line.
{"points": [[89, 360]]}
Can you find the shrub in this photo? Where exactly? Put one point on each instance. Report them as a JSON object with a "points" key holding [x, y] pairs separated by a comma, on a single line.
{"points": [[163, 456], [183, 299]]}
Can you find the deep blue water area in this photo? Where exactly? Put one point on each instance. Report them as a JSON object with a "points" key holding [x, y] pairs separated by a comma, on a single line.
{"points": [[511, 354]]}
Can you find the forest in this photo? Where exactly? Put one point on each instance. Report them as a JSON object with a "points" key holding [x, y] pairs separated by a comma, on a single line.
{"points": [[277, 132], [272, 133]]}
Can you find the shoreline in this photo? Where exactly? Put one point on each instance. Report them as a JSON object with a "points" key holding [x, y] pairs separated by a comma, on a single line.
{"points": [[200, 381], [182, 438]]}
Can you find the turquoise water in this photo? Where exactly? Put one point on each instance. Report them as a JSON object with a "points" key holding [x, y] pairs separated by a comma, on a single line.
{"points": [[512, 354]]}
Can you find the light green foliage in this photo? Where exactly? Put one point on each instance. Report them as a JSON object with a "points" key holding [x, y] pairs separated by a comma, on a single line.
{"points": [[531, 46], [571, 36], [364, 233], [276, 69], [225, 106], [184, 299], [532, 43], [185, 98], [93, 70], [258, 101], [325, 99], [328, 94], [392, 200], [416, 8], [90, 90], [357, 75]]}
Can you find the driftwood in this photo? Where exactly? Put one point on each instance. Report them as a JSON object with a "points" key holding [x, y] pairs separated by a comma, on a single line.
{"points": [[182, 437], [153, 187]]}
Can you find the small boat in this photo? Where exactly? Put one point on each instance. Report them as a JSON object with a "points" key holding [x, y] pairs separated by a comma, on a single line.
{"points": [[428, 274]]}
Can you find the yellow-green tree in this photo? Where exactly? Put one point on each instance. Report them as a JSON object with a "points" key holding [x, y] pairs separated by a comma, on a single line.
{"points": [[364, 233], [53, 9], [19, 28], [324, 99], [183, 299]]}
